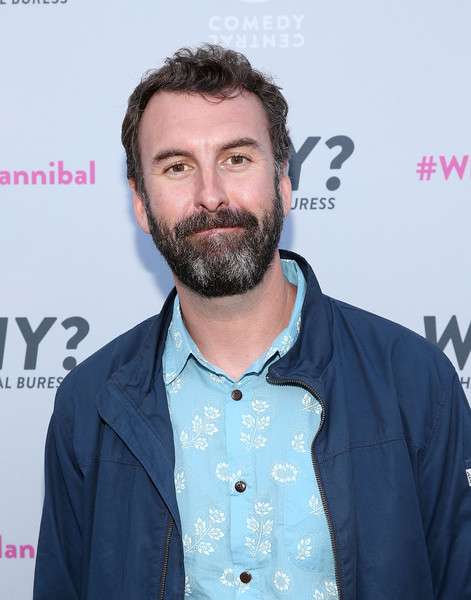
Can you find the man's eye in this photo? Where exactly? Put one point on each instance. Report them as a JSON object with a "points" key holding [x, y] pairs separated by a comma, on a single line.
{"points": [[176, 168], [237, 159]]}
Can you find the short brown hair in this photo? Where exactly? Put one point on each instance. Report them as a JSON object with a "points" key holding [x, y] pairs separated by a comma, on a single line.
{"points": [[211, 70]]}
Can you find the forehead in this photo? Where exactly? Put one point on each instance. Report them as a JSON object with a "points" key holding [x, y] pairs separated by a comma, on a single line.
{"points": [[196, 120]]}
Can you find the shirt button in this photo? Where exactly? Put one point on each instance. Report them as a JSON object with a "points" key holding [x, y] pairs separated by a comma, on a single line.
{"points": [[240, 486], [245, 577], [236, 394]]}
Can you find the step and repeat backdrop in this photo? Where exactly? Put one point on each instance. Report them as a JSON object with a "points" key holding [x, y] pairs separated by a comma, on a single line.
{"points": [[379, 96]]}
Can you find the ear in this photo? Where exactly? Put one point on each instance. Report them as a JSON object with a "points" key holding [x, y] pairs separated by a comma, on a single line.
{"points": [[139, 207], [285, 190]]}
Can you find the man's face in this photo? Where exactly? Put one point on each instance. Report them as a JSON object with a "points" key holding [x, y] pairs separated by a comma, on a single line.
{"points": [[212, 202]]}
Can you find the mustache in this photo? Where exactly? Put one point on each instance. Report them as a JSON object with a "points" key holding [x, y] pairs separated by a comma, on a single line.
{"points": [[203, 221]]}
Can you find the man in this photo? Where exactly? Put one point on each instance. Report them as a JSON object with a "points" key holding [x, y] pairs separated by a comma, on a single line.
{"points": [[256, 437]]}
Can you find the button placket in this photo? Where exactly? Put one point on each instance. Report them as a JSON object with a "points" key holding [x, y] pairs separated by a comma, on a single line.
{"points": [[239, 486], [240, 468]]}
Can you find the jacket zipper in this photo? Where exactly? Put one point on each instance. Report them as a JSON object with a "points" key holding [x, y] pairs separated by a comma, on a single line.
{"points": [[166, 557], [315, 464]]}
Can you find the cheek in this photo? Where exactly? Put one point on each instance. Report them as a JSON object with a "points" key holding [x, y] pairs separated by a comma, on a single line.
{"points": [[168, 206], [253, 194]]}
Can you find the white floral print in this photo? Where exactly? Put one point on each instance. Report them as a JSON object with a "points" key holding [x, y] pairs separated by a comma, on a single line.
{"points": [[281, 345], [177, 338], [176, 385], [223, 473], [201, 427], [311, 404], [261, 528], [219, 379], [281, 581], [255, 423], [204, 530], [259, 406], [230, 579], [187, 586], [328, 593], [263, 508], [179, 481], [304, 548], [315, 504], [284, 472], [298, 443], [331, 588], [286, 343]]}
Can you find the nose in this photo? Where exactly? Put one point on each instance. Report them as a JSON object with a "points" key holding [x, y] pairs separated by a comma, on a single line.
{"points": [[210, 193]]}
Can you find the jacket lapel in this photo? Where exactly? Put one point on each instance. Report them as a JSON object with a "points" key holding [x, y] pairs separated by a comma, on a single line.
{"points": [[134, 405], [138, 432]]}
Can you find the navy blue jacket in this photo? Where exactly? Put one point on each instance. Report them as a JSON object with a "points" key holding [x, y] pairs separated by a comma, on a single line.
{"points": [[391, 457]]}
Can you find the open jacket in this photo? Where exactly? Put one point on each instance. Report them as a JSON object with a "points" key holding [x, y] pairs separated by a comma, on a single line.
{"points": [[391, 457]]}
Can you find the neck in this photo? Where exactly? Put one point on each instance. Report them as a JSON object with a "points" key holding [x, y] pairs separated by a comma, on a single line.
{"points": [[232, 331]]}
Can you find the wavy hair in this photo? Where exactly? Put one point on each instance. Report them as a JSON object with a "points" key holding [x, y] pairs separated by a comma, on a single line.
{"points": [[215, 71]]}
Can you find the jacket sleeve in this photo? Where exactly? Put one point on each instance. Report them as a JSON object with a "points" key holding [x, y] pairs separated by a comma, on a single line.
{"points": [[446, 495], [58, 561]]}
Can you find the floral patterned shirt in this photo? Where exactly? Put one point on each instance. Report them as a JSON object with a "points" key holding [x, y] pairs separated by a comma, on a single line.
{"points": [[252, 518]]}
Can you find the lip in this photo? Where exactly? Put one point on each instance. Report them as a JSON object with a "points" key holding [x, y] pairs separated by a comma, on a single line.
{"points": [[217, 230]]}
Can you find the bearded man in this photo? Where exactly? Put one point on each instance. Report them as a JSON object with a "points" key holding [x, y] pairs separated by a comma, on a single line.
{"points": [[256, 437]]}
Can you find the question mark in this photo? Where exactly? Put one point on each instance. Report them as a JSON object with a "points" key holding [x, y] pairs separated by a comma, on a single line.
{"points": [[347, 145], [83, 328]]}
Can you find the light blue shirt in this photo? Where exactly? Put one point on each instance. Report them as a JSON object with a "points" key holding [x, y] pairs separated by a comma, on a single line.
{"points": [[252, 518]]}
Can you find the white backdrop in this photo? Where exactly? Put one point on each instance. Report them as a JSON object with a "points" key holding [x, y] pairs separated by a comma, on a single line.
{"points": [[391, 77]]}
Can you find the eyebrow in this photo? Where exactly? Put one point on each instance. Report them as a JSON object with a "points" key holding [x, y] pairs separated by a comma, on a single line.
{"points": [[237, 143]]}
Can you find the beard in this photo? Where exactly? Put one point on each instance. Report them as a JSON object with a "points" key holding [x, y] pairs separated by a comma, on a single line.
{"points": [[225, 263]]}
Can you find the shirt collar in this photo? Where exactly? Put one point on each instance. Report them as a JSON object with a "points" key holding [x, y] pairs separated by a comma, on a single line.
{"points": [[179, 345]]}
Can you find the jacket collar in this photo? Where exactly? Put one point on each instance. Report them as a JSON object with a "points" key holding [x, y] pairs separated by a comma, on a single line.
{"points": [[180, 346], [310, 354]]}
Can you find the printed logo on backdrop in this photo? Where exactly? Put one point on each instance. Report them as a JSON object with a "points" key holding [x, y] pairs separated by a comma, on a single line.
{"points": [[31, 2], [444, 167], [10, 551], [335, 151], [21, 332], [455, 339], [243, 31], [56, 173]]}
